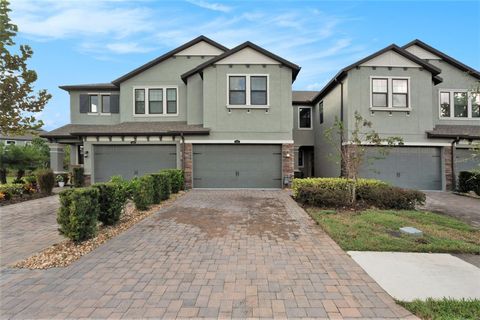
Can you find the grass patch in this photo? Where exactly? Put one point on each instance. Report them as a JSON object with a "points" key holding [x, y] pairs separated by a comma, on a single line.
{"points": [[444, 309], [378, 230]]}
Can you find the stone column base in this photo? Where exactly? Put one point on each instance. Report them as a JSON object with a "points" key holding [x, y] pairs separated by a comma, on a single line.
{"points": [[447, 163], [188, 165], [288, 161]]}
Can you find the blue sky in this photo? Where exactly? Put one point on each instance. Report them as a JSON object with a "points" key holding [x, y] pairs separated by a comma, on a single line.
{"points": [[93, 41]]}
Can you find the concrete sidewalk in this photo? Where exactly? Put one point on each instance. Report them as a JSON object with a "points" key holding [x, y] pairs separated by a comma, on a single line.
{"points": [[407, 276]]}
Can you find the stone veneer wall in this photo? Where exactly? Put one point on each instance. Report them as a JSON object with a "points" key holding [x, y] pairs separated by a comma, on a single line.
{"points": [[288, 160], [447, 162], [188, 165]]}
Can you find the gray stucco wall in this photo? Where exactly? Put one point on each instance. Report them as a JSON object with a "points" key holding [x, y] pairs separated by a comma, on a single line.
{"points": [[327, 157], [453, 78], [85, 118], [247, 124], [410, 127], [304, 137], [166, 73], [195, 100]]}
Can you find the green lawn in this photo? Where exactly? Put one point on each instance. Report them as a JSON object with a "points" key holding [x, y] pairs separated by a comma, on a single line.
{"points": [[444, 309], [377, 230]]}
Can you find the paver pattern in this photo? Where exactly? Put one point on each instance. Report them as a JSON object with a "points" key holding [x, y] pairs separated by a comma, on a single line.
{"points": [[27, 227], [461, 207], [212, 254]]}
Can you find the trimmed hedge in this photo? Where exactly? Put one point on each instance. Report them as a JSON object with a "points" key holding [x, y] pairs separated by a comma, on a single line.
{"points": [[78, 177], [337, 192], [78, 213], [112, 199], [469, 181], [177, 179], [143, 192], [126, 185], [45, 180], [162, 187]]}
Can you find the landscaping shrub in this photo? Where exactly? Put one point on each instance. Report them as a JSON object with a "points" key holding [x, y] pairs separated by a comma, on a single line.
{"points": [[336, 192], [31, 179], [177, 179], [45, 180], [162, 186], [11, 190], [111, 198], [388, 197], [126, 185], [143, 192], [78, 213], [469, 181], [78, 177]]}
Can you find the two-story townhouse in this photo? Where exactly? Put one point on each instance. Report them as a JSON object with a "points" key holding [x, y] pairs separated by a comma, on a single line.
{"points": [[414, 92], [223, 116]]}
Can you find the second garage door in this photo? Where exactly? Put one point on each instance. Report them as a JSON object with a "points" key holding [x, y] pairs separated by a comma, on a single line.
{"points": [[132, 160], [237, 166], [406, 167]]}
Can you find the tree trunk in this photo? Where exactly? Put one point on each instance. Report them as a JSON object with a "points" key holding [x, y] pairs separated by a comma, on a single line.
{"points": [[20, 174], [3, 175]]}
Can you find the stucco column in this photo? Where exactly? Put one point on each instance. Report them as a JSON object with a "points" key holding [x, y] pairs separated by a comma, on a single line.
{"points": [[56, 157], [287, 163], [187, 157]]}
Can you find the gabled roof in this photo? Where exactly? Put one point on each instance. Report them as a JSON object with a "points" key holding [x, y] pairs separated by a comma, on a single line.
{"points": [[90, 86], [303, 97], [445, 57], [393, 47], [295, 68], [166, 56]]}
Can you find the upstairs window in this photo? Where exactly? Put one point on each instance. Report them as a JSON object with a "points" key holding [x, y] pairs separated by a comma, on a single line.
{"points": [[106, 104], [390, 92], [161, 101], [139, 101], [248, 90], [171, 101], [459, 104], [305, 118], [379, 93], [93, 104], [155, 101], [320, 111], [258, 90], [237, 90]]}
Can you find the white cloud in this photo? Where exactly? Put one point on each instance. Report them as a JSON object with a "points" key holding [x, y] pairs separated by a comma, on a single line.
{"points": [[210, 5]]}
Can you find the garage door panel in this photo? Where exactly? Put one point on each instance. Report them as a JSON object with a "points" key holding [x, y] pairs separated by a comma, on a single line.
{"points": [[130, 161], [406, 167], [237, 166]]}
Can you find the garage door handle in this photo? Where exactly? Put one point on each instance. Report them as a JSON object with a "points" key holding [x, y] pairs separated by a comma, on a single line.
{"points": [[237, 174]]}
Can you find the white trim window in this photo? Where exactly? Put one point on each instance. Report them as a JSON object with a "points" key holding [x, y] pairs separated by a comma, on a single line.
{"points": [[155, 101], [250, 91], [458, 104], [390, 93], [93, 103], [105, 103], [10, 142], [304, 118]]}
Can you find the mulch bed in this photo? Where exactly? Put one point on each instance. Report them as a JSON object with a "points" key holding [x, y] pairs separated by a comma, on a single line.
{"points": [[66, 252], [24, 198]]}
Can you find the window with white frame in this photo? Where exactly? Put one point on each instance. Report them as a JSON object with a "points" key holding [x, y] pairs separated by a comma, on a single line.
{"points": [[305, 118], [390, 92], [11, 142], [459, 104], [93, 103], [105, 103], [156, 101], [247, 90]]}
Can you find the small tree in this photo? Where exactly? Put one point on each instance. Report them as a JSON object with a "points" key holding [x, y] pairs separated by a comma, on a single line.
{"points": [[351, 153], [18, 103]]}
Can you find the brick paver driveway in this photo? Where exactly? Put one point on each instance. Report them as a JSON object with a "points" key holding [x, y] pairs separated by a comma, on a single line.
{"points": [[26, 228], [212, 254]]}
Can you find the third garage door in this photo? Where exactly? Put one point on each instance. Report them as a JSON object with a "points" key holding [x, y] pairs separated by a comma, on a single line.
{"points": [[406, 167], [237, 166]]}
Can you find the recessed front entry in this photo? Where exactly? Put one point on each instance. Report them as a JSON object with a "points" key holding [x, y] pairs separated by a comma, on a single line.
{"points": [[237, 166], [132, 160]]}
